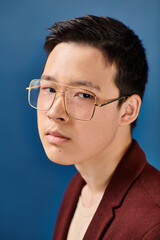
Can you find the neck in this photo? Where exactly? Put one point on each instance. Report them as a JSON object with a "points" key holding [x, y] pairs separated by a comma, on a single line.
{"points": [[98, 171]]}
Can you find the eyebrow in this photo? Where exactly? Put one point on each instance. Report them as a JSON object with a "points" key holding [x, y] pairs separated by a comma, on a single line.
{"points": [[46, 77], [83, 83], [86, 83]]}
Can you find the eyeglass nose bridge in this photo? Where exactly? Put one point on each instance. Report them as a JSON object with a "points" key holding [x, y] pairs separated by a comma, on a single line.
{"points": [[55, 98]]}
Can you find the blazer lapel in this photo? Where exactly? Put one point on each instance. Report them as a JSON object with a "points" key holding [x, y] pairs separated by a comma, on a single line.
{"points": [[101, 220], [125, 174], [68, 207]]}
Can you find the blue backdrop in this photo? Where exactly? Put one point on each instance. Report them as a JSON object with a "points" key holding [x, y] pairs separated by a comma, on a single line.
{"points": [[32, 186]]}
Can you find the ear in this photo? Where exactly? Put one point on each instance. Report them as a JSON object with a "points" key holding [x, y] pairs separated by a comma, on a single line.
{"points": [[130, 110]]}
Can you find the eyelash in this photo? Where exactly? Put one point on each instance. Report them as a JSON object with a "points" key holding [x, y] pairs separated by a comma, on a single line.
{"points": [[85, 94], [81, 95], [48, 89]]}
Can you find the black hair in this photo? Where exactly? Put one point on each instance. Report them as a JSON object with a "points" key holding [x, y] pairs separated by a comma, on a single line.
{"points": [[118, 43]]}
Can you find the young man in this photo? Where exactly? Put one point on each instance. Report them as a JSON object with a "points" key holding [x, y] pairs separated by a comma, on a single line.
{"points": [[88, 99]]}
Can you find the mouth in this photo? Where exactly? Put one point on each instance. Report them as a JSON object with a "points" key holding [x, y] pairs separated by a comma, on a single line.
{"points": [[55, 137]]}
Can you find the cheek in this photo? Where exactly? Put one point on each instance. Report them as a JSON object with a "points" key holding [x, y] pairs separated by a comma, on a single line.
{"points": [[98, 133], [50, 150], [106, 120], [105, 127], [40, 122]]}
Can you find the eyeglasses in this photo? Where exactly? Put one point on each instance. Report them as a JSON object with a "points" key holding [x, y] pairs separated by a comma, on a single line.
{"points": [[79, 103]]}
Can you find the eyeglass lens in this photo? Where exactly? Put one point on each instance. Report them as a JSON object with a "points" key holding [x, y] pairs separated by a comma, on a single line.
{"points": [[79, 103]]}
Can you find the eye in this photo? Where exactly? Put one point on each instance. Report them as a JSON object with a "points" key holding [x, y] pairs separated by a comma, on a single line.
{"points": [[48, 89], [85, 95]]}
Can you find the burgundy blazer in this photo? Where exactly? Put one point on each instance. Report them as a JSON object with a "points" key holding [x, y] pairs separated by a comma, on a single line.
{"points": [[130, 207]]}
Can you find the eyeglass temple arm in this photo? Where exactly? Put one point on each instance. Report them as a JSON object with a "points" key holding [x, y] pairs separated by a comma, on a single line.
{"points": [[28, 88], [103, 104]]}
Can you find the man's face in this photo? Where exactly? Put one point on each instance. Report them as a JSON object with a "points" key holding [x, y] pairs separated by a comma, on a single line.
{"points": [[70, 141]]}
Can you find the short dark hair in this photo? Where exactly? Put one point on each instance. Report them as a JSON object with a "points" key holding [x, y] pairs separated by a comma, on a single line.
{"points": [[118, 43]]}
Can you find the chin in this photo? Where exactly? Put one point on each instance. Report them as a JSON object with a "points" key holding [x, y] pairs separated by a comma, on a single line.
{"points": [[59, 158], [60, 161]]}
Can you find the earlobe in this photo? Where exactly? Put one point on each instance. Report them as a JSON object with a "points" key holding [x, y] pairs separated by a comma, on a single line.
{"points": [[130, 110]]}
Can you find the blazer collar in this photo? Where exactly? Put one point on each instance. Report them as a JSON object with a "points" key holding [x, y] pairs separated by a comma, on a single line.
{"points": [[125, 174], [127, 171]]}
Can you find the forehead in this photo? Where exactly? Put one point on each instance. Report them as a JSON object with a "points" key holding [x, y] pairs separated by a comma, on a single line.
{"points": [[69, 62]]}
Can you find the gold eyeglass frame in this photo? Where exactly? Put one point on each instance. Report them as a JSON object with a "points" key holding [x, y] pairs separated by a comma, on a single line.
{"points": [[65, 101]]}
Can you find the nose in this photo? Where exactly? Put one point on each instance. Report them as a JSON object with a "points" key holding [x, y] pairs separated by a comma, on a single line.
{"points": [[57, 112]]}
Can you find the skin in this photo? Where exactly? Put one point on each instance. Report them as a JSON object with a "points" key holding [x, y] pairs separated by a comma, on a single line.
{"points": [[95, 147]]}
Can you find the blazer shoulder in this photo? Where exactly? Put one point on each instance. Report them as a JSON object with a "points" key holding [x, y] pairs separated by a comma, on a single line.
{"points": [[153, 233], [76, 181], [74, 187], [150, 179]]}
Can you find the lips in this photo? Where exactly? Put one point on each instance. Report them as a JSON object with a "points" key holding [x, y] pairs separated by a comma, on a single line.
{"points": [[55, 137]]}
